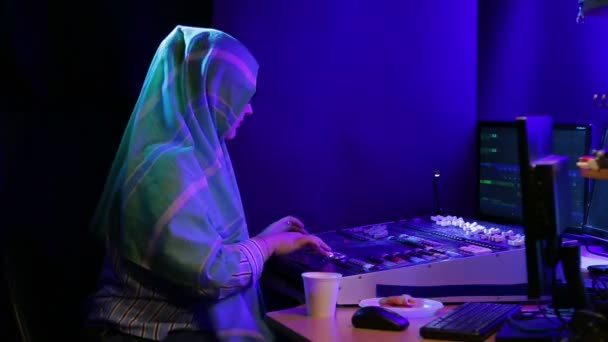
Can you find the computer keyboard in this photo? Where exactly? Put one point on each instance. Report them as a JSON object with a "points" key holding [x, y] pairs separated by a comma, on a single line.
{"points": [[469, 322]]}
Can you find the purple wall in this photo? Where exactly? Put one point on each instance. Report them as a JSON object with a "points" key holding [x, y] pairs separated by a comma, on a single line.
{"points": [[357, 104], [534, 58]]}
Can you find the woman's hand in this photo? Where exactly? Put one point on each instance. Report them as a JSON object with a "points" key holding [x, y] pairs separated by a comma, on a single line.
{"points": [[287, 242], [286, 224]]}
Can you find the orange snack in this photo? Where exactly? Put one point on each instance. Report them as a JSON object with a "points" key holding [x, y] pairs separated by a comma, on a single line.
{"points": [[404, 300]]}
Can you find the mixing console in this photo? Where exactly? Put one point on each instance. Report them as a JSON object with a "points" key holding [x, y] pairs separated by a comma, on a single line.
{"points": [[445, 257]]}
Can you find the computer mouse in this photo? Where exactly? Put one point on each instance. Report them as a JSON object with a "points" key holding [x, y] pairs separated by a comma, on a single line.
{"points": [[376, 317]]}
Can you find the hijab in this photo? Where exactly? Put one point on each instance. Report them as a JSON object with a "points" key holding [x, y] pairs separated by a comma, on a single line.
{"points": [[171, 202]]}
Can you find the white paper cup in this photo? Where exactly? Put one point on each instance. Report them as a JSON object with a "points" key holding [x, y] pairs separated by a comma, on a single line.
{"points": [[321, 292]]}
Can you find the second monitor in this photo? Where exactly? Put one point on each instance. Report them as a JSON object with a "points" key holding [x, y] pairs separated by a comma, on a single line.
{"points": [[499, 186]]}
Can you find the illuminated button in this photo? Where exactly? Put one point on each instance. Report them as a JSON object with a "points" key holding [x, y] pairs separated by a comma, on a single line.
{"points": [[423, 252], [416, 259], [380, 235], [452, 254], [488, 231], [396, 259], [475, 249], [497, 238], [516, 242], [361, 263], [335, 255], [476, 229]]}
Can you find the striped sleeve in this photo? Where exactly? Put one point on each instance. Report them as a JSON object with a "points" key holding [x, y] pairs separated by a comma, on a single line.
{"points": [[254, 253]]}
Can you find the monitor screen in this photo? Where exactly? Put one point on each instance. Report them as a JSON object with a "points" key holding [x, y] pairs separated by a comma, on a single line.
{"points": [[597, 219], [499, 186]]}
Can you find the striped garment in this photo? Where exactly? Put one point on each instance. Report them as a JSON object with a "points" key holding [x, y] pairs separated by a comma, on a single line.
{"points": [[179, 252], [138, 303]]}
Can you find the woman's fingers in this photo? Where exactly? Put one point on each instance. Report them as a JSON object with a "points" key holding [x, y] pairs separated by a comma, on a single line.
{"points": [[323, 245], [295, 225], [317, 243]]}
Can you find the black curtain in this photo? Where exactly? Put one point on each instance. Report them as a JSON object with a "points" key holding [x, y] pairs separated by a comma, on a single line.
{"points": [[71, 73]]}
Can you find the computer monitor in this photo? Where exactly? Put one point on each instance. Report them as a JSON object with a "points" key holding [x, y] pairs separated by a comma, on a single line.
{"points": [[545, 193], [573, 141], [499, 187], [597, 218]]}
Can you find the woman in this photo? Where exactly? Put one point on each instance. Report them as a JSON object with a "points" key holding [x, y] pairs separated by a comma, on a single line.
{"points": [[180, 263]]}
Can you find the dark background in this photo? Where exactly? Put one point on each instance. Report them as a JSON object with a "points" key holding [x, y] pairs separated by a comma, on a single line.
{"points": [[71, 73], [358, 102]]}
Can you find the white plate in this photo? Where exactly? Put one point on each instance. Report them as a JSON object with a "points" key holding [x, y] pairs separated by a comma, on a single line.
{"points": [[427, 309]]}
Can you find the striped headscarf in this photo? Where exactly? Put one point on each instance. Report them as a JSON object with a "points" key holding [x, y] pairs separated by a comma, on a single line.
{"points": [[171, 200]]}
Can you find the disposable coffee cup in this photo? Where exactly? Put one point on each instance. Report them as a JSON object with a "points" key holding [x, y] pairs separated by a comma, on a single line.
{"points": [[321, 292]]}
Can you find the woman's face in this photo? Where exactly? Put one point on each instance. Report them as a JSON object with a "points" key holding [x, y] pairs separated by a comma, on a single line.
{"points": [[231, 133]]}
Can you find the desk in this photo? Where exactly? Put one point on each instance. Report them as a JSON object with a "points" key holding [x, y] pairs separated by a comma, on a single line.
{"points": [[294, 322], [588, 259], [297, 325]]}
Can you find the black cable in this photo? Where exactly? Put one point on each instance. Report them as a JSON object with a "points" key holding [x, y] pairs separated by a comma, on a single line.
{"points": [[514, 321], [599, 286], [558, 314], [560, 326], [540, 313]]}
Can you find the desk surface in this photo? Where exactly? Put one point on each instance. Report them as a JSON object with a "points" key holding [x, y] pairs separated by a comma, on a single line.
{"points": [[588, 259], [340, 328]]}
